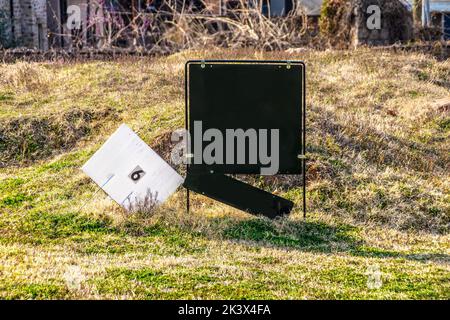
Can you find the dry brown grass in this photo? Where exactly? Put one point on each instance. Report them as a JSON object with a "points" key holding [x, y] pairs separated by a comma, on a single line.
{"points": [[378, 190], [377, 124], [26, 76], [178, 26]]}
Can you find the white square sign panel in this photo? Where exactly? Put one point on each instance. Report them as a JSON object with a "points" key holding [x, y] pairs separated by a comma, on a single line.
{"points": [[127, 169]]}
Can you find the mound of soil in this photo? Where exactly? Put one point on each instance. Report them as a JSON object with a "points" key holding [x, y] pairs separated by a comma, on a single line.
{"points": [[27, 139]]}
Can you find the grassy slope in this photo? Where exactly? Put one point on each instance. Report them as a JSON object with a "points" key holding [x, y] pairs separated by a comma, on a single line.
{"points": [[378, 187]]}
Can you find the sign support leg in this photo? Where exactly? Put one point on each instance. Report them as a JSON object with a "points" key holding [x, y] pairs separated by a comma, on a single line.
{"points": [[304, 188], [187, 200]]}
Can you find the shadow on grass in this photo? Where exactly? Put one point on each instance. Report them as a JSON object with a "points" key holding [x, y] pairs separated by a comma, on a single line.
{"points": [[308, 236], [314, 237], [311, 236]]}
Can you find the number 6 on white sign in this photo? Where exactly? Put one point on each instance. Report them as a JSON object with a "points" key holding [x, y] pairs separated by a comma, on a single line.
{"points": [[136, 169]]}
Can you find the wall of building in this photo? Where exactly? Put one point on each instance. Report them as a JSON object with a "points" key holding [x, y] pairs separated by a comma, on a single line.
{"points": [[87, 12], [40, 31], [28, 22]]}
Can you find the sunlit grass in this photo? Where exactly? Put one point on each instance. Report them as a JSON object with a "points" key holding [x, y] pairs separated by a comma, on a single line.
{"points": [[378, 186]]}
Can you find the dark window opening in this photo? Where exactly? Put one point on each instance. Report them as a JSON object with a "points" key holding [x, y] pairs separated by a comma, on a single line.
{"points": [[40, 37]]}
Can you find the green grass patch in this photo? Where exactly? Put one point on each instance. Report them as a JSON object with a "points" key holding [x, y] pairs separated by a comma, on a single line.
{"points": [[303, 235], [40, 226], [15, 200]]}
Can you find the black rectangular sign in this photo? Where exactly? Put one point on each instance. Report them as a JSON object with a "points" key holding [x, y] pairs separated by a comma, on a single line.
{"points": [[238, 194], [263, 96]]}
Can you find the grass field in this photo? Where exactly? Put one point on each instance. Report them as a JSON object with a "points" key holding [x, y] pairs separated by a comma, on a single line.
{"points": [[378, 187]]}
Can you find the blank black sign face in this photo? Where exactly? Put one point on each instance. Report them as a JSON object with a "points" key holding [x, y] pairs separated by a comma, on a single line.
{"points": [[246, 95]]}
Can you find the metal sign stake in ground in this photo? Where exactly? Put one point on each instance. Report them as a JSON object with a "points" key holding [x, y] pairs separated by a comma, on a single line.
{"points": [[251, 97]]}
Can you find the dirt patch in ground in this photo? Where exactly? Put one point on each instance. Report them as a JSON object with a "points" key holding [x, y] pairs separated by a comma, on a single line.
{"points": [[163, 145], [27, 139]]}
